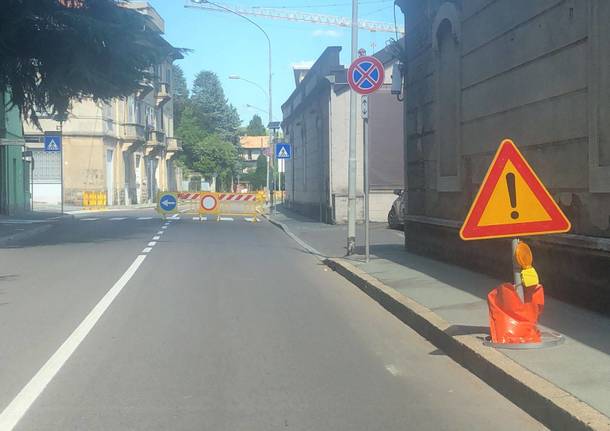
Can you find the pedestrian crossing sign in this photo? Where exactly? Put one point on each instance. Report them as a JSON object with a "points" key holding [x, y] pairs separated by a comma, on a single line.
{"points": [[283, 151], [52, 143]]}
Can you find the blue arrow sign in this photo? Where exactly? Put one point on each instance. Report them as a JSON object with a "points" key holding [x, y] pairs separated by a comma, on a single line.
{"points": [[283, 151], [168, 202], [52, 143]]}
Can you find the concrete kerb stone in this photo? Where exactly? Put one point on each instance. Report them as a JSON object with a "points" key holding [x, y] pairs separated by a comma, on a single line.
{"points": [[546, 402]]}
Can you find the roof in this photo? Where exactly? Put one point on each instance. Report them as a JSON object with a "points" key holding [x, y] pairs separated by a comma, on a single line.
{"points": [[254, 141]]}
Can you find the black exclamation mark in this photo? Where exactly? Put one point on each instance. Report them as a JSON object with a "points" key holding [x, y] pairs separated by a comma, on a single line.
{"points": [[512, 194]]}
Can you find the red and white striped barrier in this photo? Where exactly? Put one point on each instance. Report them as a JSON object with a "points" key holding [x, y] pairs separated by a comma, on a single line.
{"points": [[243, 197], [189, 196]]}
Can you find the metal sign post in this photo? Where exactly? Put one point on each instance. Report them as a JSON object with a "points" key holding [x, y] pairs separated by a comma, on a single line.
{"points": [[365, 118]]}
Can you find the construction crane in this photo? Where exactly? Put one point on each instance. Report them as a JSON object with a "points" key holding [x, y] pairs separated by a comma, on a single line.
{"points": [[288, 15]]}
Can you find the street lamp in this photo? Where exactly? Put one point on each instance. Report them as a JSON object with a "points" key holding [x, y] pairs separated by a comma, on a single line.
{"points": [[237, 77], [256, 107]]}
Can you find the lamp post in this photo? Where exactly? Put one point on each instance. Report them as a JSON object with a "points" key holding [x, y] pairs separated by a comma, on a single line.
{"points": [[270, 70], [237, 77]]}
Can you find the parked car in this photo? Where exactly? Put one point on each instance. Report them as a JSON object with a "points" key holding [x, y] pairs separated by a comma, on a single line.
{"points": [[396, 216]]}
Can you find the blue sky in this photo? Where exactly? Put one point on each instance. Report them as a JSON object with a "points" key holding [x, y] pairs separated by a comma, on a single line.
{"points": [[227, 44]]}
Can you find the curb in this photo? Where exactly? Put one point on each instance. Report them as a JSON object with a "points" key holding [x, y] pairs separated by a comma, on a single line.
{"points": [[544, 401]]}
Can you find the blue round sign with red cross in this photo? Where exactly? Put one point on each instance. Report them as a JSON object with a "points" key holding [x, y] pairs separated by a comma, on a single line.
{"points": [[365, 75]]}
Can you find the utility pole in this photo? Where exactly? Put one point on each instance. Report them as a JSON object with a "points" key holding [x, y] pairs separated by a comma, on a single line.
{"points": [[351, 169]]}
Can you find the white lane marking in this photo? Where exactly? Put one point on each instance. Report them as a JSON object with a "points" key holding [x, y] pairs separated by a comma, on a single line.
{"points": [[145, 218], [156, 238], [175, 217], [147, 250], [152, 244], [117, 218], [13, 413], [89, 219], [200, 219], [160, 232], [226, 218], [163, 227], [250, 219]]}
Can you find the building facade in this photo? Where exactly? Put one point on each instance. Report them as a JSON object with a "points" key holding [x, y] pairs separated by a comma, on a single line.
{"points": [[537, 72], [14, 167], [124, 148], [316, 123]]}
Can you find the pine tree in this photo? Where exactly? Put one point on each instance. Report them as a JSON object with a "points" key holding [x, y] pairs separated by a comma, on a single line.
{"points": [[255, 127]]}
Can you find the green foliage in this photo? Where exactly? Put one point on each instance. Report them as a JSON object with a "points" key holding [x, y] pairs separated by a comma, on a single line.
{"points": [[255, 127], [208, 137], [52, 54], [181, 93], [212, 109], [258, 178]]}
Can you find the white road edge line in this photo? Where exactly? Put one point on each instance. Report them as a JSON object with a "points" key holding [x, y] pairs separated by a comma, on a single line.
{"points": [[13, 413], [152, 244], [147, 250]]}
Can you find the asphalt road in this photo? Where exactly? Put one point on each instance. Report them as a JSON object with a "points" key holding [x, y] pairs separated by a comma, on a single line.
{"points": [[218, 326]]}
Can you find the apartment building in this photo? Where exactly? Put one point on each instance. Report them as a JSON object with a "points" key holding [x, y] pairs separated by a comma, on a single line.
{"points": [[125, 148]]}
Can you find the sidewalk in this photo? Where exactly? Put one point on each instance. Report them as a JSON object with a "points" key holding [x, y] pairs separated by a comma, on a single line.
{"points": [[580, 366]]}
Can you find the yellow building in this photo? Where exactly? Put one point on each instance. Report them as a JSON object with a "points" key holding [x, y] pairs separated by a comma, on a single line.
{"points": [[124, 148]]}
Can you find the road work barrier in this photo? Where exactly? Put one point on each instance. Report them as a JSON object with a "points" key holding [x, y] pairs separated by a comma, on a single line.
{"points": [[94, 200], [248, 205]]}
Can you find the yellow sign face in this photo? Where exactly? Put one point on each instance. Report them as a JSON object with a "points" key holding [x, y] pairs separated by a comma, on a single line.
{"points": [[512, 201], [499, 210]]}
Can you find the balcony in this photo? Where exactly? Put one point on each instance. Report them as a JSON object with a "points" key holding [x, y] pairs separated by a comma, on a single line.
{"points": [[133, 132], [163, 94], [146, 86], [155, 139], [174, 144]]}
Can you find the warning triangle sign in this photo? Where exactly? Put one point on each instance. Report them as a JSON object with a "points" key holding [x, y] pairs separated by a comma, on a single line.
{"points": [[282, 154], [512, 201]]}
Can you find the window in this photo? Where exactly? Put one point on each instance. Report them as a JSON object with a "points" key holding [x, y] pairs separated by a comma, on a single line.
{"points": [[447, 102]]}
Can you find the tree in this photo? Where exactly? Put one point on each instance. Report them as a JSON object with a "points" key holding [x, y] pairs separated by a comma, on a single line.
{"points": [[256, 128], [212, 109], [54, 52], [181, 93], [258, 178], [206, 153]]}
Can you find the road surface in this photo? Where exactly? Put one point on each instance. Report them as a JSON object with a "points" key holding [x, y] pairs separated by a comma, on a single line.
{"points": [[119, 321]]}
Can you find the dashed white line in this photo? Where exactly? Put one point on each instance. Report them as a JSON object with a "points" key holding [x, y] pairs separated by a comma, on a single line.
{"points": [[117, 218], [13, 413], [226, 218], [157, 237], [147, 250], [145, 218], [250, 219], [163, 227], [89, 219], [152, 244], [200, 218], [160, 232]]}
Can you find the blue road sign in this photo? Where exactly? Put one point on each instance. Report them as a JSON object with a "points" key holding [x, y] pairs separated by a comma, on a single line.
{"points": [[283, 151], [167, 202], [365, 75], [52, 143]]}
